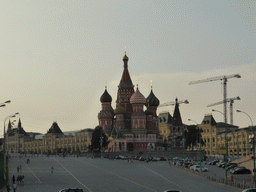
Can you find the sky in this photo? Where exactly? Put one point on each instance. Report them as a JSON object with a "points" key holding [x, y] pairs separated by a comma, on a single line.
{"points": [[56, 57]]}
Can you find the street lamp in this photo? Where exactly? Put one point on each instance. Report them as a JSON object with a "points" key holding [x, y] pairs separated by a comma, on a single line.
{"points": [[4, 145], [226, 140], [101, 142], [253, 146], [197, 141]]}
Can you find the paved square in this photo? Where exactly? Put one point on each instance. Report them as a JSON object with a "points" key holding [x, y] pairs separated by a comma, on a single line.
{"points": [[106, 175]]}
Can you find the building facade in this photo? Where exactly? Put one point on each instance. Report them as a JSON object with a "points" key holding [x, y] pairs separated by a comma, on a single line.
{"points": [[217, 136], [54, 141]]}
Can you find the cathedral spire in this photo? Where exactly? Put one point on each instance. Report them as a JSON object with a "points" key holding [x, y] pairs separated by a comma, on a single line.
{"points": [[176, 115], [126, 79]]}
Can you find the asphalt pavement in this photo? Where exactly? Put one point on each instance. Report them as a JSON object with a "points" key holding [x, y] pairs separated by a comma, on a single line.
{"points": [[107, 175]]}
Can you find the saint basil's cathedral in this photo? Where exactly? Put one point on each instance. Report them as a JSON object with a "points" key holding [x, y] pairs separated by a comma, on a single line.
{"points": [[128, 126]]}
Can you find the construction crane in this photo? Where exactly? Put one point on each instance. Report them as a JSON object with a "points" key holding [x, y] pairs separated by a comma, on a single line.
{"points": [[225, 79], [231, 100], [173, 103]]}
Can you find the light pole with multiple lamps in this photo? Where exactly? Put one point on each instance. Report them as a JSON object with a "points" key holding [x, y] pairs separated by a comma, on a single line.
{"points": [[4, 145], [197, 141], [226, 140], [253, 146]]}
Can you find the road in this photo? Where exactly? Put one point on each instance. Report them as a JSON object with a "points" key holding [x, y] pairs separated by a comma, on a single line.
{"points": [[107, 175]]}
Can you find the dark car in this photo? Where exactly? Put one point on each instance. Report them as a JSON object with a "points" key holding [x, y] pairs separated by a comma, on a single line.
{"points": [[231, 167], [213, 162], [242, 171], [162, 159], [71, 190], [249, 190], [236, 168]]}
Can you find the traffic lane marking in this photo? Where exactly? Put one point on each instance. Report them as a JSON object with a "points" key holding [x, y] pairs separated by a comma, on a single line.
{"points": [[32, 171], [163, 177], [119, 176], [73, 176]]}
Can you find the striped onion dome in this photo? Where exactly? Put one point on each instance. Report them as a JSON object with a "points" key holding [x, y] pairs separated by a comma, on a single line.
{"points": [[152, 99], [137, 98]]}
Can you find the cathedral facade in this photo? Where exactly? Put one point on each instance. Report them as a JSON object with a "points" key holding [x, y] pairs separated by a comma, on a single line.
{"points": [[129, 126]]}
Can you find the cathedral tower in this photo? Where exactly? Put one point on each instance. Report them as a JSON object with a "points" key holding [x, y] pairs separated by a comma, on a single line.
{"points": [[125, 91], [106, 115]]}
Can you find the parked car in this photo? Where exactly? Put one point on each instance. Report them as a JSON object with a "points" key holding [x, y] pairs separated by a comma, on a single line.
{"points": [[236, 168], [162, 159], [220, 162], [142, 158], [250, 190], [156, 159], [242, 171], [198, 168], [193, 166], [71, 190], [213, 162], [231, 167]]}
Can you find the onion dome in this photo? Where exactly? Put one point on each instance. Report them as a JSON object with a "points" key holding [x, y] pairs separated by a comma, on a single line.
{"points": [[105, 97], [120, 110], [125, 57], [137, 98], [149, 111], [152, 99]]}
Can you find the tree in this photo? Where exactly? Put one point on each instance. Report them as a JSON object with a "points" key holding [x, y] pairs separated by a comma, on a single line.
{"points": [[192, 136], [95, 141]]}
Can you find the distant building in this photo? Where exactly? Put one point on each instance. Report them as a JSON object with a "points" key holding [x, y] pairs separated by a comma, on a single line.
{"points": [[215, 134], [129, 126], [54, 141], [172, 128]]}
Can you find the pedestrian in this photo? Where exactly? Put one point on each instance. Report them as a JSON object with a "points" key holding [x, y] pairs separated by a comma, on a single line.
{"points": [[23, 179], [14, 187], [52, 169], [18, 179], [13, 178], [8, 187], [18, 168]]}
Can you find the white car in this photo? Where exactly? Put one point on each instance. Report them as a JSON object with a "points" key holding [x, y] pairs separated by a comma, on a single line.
{"points": [[193, 166], [197, 168]]}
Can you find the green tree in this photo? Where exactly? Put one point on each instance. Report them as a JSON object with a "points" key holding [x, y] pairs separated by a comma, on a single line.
{"points": [[192, 135], [95, 141]]}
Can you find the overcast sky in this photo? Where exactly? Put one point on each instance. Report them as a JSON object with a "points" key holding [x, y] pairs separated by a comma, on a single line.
{"points": [[56, 57]]}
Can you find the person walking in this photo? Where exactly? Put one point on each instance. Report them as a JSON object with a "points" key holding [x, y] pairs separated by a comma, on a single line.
{"points": [[8, 187], [13, 178], [14, 187], [52, 169], [22, 179], [20, 168]]}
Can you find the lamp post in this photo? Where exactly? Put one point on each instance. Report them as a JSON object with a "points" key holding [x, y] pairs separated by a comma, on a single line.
{"points": [[253, 146], [101, 142], [4, 145], [226, 140], [199, 142]]}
